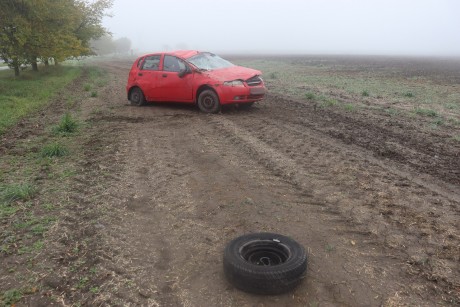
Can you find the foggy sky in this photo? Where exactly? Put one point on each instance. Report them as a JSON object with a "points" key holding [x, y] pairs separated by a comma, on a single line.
{"points": [[387, 27]]}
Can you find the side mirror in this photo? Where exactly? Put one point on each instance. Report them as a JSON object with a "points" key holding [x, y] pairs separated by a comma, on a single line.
{"points": [[184, 72]]}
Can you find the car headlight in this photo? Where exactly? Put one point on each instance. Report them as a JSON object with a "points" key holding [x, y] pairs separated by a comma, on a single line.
{"points": [[234, 83]]}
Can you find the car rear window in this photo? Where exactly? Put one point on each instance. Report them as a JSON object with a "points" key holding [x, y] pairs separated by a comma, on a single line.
{"points": [[151, 62]]}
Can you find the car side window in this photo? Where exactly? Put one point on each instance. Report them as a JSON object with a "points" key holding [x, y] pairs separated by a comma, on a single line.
{"points": [[139, 62], [151, 62], [174, 64]]}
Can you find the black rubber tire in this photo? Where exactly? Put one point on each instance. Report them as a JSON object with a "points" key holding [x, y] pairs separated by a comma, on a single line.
{"points": [[136, 97], [246, 106], [208, 102], [247, 268]]}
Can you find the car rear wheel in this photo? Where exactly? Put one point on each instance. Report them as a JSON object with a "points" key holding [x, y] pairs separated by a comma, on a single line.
{"points": [[208, 102], [137, 97]]}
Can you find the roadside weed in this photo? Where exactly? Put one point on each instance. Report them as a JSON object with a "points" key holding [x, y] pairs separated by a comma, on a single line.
{"points": [[329, 248], [391, 111], [349, 107], [10, 297], [54, 150], [437, 122], [93, 94], [408, 94], [67, 125], [426, 112], [82, 282], [12, 193], [310, 96], [328, 102], [365, 93]]}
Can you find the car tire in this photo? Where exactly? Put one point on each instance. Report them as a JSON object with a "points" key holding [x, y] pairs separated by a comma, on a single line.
{"points": [[136, 97], [208, 102], [264, 263], [246, 106]]}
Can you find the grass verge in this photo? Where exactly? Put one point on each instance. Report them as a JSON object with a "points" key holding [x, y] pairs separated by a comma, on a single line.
{"points": [[31, 91]]}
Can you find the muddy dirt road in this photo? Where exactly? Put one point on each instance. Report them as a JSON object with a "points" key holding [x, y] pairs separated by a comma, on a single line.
{"points": [[376, 207]]}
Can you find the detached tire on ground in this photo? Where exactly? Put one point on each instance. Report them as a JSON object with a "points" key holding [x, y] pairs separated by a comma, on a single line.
{"points": [[264, 263]]}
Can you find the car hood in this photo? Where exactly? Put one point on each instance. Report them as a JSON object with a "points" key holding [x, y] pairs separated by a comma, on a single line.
{"points": [[232, 73]]}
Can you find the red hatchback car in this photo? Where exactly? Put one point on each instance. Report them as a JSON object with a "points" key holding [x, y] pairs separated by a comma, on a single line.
{"points": [[193, 77]]}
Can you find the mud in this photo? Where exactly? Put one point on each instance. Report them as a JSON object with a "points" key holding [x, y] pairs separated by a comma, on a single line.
{"points": [[162, 188]]}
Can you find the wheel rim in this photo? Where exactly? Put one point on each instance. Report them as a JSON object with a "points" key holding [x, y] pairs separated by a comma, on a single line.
{"points": [[265, 253], [208, 102]]}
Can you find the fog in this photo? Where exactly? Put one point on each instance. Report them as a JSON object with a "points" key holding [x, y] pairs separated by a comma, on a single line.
{"points": [[375, 27]]}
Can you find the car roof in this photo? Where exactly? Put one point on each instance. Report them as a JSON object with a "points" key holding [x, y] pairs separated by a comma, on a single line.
{"points": [[185, 54]]}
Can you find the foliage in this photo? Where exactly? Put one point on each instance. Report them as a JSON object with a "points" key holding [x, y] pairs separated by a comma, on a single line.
{"points": [[426, 112], [10, 297], [43, 29], [310, 96], [54, 150], [66, 125], [12, 193], [408, 94]]}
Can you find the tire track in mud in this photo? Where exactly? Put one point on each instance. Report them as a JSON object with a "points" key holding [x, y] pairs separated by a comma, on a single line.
{"points": [[391, 220], [190, 182], [402, 141], [182, 209]]}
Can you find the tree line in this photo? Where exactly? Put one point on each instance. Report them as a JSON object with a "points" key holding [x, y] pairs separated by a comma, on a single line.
{"points": [[106, 45], [40, 30]]}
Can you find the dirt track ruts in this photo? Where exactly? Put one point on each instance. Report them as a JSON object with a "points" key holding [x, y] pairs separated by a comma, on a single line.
{"points": [[379, 225], [376, 209]]}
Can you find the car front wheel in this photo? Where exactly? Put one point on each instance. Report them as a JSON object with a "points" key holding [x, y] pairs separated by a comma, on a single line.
{"points": [[208, 102], [137, 97]]}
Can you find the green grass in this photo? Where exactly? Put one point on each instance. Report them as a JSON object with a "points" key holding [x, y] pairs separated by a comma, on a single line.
{"points": [[329, 248], [365, 93], [10, 297], [349, 107], [67, 125], [15, 192], [328, 102], [87, 87], [82, 282], [310, 96], [54, 150], [93, 94], [391, 111], [31, 91], [408, 94], [426, 112]]}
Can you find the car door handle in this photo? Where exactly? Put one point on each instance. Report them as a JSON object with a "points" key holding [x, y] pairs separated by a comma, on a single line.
{"points": [[140, 74], [165, 75]]}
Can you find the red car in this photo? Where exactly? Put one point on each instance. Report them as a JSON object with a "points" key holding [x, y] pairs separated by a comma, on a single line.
{"points": [[193, 77]]}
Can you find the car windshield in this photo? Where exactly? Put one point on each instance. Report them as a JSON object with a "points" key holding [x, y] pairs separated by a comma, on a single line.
{"points": [[209, 61]]}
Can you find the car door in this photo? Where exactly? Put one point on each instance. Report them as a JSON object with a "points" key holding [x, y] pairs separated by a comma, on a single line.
{"points": [[148, 77], [172, 86]]}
